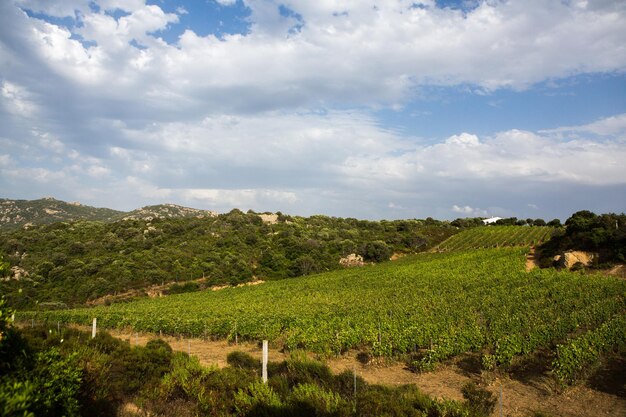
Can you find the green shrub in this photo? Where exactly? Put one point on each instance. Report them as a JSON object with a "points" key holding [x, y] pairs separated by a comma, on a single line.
{"points": [[243, 360], [257, 399], [311, 399], [480, 401], [302, 370]]}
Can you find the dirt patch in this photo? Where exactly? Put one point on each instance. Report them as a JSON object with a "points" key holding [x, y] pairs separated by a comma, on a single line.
{"points": [[520, 397], [617, 271], [396, 256], [531, 260], [208, 352]]}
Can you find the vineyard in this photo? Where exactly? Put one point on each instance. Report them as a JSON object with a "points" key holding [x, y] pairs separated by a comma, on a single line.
{"points": [[496, 236], [431, 307]]}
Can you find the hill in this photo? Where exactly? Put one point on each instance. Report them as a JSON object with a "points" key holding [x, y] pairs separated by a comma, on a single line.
{"points": [[165, 211], [76, 262], [15, 214]]}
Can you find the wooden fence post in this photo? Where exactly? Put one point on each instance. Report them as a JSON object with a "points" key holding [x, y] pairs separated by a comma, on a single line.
{"points": [[93, 328]]}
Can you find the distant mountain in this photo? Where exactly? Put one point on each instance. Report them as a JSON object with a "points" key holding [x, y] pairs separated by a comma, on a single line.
{"points": [[15, 214], [22, 213]]}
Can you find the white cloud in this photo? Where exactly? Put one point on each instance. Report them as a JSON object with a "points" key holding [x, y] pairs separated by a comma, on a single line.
{"points": [[16, 99], [611, 126], [469, 211], [226, 2], [244, 198], [248, 120], [353, 53]]}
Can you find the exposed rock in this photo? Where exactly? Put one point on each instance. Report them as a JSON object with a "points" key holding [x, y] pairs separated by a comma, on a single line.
{"points": [[165, 211], [269, 218], [18, 273], [571, 258], [352, 260]]}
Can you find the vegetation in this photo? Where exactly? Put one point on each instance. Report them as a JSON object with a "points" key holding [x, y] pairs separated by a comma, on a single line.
{"points": [[580, 354], [75, 262], [64, 372], [496, 236], [604, 234], [15, 214], [428, 307]]}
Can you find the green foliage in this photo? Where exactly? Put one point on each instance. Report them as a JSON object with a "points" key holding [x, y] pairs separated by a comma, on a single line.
{"points": [[580, 354], [480, 401], [18, 213], [257, 399], [431, 306], [75, 262], [587, 231], [496, 236], [376, 251], [183, 288], [44, 383], [243, 360], [311, 399], [4, 267]]}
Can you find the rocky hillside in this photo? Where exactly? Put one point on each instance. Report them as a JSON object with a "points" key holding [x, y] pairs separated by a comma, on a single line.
{"points": [[15, 214], [22, 213], [166, 211]]}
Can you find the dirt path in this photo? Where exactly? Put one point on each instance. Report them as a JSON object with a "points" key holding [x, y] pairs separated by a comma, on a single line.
{"points": [[518, 399], [531, 261]]}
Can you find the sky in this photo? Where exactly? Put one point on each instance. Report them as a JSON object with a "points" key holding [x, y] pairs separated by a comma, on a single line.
{"points": [[371, 109]]}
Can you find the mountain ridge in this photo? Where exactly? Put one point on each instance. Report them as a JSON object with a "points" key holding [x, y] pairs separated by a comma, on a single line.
{"points": [[15, 214]]}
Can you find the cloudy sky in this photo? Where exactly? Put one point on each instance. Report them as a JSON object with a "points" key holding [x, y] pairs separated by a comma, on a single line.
{"points": [[355, 108]]}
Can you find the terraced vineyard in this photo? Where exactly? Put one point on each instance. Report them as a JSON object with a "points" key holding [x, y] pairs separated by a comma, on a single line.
{"points": [[434, 305], [496, 236]]}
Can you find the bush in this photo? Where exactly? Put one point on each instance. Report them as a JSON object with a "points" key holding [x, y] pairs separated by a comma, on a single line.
{"points": [[183, 288], [257, 399], [243, 360], [376, 251], [480, 401], [310, 399]]}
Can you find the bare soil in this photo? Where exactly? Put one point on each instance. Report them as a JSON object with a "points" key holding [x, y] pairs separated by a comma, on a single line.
{"points": [[531, 260], [521, 396]]}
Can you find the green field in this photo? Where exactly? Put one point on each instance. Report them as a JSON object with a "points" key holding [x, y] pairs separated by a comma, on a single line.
{"points": [[496, 236], [434, 306]]}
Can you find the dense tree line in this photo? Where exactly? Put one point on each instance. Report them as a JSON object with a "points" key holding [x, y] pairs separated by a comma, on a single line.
{"points": [[604, 234], [75, 262]]}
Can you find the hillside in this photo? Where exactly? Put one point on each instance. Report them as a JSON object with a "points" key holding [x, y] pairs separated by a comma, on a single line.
{"points": [[430, 306], [496, 236], [76, 262], [165, 211], [15, 214]]}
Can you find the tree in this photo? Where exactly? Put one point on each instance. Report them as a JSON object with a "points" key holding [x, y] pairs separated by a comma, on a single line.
{"points": [[376, 251], [4, 267], [304, 265]]}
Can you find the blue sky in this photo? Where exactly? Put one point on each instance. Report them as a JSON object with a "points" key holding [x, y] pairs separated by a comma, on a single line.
{"points": [[388, 109]]}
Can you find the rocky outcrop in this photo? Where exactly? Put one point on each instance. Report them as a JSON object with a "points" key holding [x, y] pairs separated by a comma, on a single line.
{"points": [[17, 274], [166, 211], [269, 218], [570, 258], [352, 260]]}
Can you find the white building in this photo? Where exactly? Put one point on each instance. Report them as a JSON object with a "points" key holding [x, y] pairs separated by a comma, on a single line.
{"points": [[491, 220]]}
